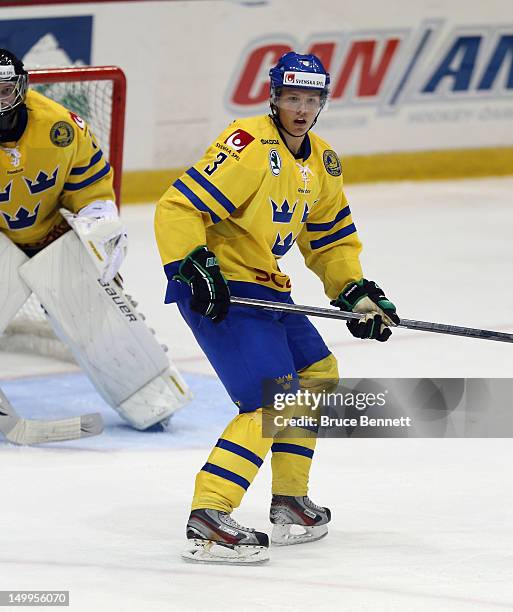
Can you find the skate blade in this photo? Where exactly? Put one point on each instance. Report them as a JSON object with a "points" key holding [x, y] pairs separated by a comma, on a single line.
{"points": [[287, 535], [207, 551]]}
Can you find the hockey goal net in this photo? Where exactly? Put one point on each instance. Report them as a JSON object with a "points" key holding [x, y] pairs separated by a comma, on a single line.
{"points": [[98, 95]]}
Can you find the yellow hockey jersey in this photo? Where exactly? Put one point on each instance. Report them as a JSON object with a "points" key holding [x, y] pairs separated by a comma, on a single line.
{"points": [[56, 163], [250, 200]]}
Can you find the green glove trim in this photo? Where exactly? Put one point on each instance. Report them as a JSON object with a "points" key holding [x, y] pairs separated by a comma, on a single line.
{"points": [[386, 305], [189, 260]]}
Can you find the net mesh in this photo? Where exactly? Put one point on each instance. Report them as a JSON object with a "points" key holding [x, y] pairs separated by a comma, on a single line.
{"points": [[93, 101]]}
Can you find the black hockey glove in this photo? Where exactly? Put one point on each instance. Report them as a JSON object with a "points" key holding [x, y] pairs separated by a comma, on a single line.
{"points": [[210, 293], [367, 298]]}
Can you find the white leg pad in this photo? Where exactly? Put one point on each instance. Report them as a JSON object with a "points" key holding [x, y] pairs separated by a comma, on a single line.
{"points": [[13, 291], [156, 398], [107, 337]]}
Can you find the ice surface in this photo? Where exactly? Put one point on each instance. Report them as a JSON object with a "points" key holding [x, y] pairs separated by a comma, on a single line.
{"points": [[418, 524]]}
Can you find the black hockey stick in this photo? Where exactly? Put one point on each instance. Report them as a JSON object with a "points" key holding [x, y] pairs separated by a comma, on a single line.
{"points": [[330, 313]]}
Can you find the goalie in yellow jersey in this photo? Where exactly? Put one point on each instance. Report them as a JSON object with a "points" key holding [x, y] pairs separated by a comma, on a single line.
{"points": [[55, 178], [265, 184]]}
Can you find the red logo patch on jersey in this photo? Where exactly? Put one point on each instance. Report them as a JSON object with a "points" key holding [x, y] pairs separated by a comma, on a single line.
{"points": [[239, 140], [78, 120]]}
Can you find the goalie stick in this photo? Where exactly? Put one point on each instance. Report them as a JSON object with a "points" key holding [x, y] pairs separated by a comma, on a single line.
{"points": [[329, 313], [28, 431]]}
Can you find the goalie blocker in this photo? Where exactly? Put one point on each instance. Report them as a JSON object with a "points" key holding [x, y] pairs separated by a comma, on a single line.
{"points": [[107, 337]]}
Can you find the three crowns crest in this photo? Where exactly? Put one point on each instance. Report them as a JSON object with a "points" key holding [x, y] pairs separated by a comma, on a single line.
{"points": [[22, 218], [282, 245], [284, 213]]}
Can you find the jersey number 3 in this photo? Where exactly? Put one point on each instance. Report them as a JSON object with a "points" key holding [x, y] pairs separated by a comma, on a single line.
{"points": [[211, 168]]}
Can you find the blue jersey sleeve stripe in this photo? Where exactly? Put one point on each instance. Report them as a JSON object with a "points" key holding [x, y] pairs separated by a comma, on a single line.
{"points": [[239, 450], [195, 201], [342, 233], [323, 227], [294, 449], [89, 181], [211, 189], [211, 468], [83, 169]]}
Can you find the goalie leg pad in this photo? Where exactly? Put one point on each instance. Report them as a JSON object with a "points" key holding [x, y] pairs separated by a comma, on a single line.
{"points": [[13, 291], [107, 337], [152, 403]]}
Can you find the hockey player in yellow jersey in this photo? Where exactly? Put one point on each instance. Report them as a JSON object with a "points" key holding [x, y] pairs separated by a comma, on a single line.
{"points": [[49, 159], [61, 237], [265, 183]]}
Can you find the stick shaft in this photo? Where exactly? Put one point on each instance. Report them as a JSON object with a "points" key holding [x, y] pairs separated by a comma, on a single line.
{"points": [[330, 313]]}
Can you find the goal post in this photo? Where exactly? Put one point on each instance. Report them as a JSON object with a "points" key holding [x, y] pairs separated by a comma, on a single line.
{"points": [[98, 95]]}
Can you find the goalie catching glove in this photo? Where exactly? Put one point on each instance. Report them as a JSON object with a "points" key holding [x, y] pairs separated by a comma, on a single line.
{"points": [[101, 232], [210, 293], [367, 298]]}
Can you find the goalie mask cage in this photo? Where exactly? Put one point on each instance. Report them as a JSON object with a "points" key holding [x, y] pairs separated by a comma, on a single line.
{"points": [[98, 95]]}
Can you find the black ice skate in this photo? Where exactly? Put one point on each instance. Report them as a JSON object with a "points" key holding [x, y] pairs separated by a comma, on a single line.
{"points": [[297, 520], [216, 538]]}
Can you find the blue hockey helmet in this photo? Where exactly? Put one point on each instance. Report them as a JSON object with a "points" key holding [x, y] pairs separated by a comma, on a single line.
{"points": [[13, 83], [301, 71]]}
